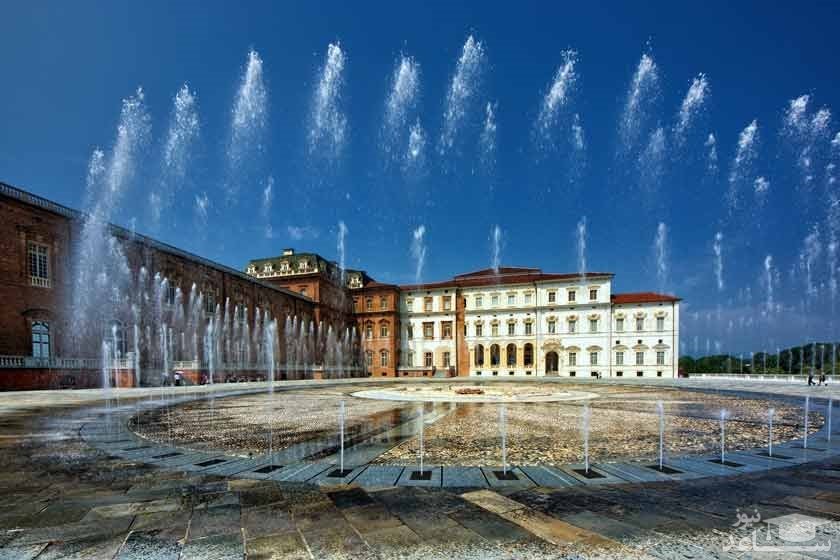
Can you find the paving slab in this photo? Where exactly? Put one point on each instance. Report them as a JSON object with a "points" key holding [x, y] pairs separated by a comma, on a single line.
{"points": [[433, 481], [495, 479], [219, 547], [326, 479], [379, 476], [300, 473], [550, 477], [143, 545], [284, 546], [464, 477], [605, 478]]}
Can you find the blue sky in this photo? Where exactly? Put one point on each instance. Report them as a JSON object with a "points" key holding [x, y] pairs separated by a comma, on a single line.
{"points": [[66, 67]]}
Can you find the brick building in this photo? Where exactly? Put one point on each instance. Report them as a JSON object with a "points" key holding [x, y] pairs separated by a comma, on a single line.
{"points": [[213, 322]]}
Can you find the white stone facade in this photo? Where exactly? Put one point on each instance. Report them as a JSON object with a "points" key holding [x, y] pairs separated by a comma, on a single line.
{"points": [[564, 325], [427, 320]]}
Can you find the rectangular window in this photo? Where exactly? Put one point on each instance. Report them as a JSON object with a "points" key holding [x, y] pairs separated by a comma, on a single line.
{"points": [[210, 302], [619, 358], [619, 325], [478, 301], [446, 329], [369, 304], [660, 324], [640, 324], [572, 296], [572, 327], [479, 329], [383, 358], [552, 327], [640, 374], [446, 360], [529, 328], [447, 303], [40, 339], [383, 302], [593, 358], [528, 298], [39, 272], [428, 330], [427, 304], [409, 331], [409, 304], [593, 295], [511, 299], [593, 325], [494, 300], [494, 329], [572, 358], [640, 358], [660, 358], [552, 297], [511, 329], [427, 359]]}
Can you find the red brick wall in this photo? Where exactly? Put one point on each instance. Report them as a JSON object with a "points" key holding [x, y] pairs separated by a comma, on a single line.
{"points": [[22, 303], [34, 379]]}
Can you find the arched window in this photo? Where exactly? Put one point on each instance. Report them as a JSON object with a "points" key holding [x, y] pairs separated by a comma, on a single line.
{"points": [[383, 329], [511, 354], [479, 355], [494, 355], [41, 339], [383, 358], [369, 330], [528, 354]]}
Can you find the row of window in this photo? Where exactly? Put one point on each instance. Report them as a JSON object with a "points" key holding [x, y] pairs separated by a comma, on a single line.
{"points": [[383, 303], [428, 359], [571, 297], [552, 326], [429, 330], [428, 303], [510, 353], [574, 373], [619, 358]]}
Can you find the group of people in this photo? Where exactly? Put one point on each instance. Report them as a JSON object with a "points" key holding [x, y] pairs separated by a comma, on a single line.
{"points": [[822, 380]]}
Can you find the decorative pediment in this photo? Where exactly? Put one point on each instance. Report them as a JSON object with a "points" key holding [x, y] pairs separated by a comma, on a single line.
{"points": [[661, 346], [551, 318], [620, 347], [619, 315], [639, 315], [640, 347], [593, 348], [594, 317], [552, 345], [572, 318], [660, 314], [573, 349]]}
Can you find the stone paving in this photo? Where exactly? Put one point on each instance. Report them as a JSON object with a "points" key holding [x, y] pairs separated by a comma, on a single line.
{"points": [[63, 498]]}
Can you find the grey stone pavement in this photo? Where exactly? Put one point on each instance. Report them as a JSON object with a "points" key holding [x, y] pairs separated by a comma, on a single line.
{"points": [[61, 497]]}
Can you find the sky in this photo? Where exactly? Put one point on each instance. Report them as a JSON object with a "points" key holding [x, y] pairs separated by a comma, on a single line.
{"points": [[590, 132]]}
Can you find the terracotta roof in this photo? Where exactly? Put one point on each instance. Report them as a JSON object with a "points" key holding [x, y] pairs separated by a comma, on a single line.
{"points": [[642, 297], [376, 284], [503, 270], [471, 280]]}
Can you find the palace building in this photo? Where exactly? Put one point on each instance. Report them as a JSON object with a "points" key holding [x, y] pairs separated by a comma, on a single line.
{"points": [[507, 322], [512, 321]]}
